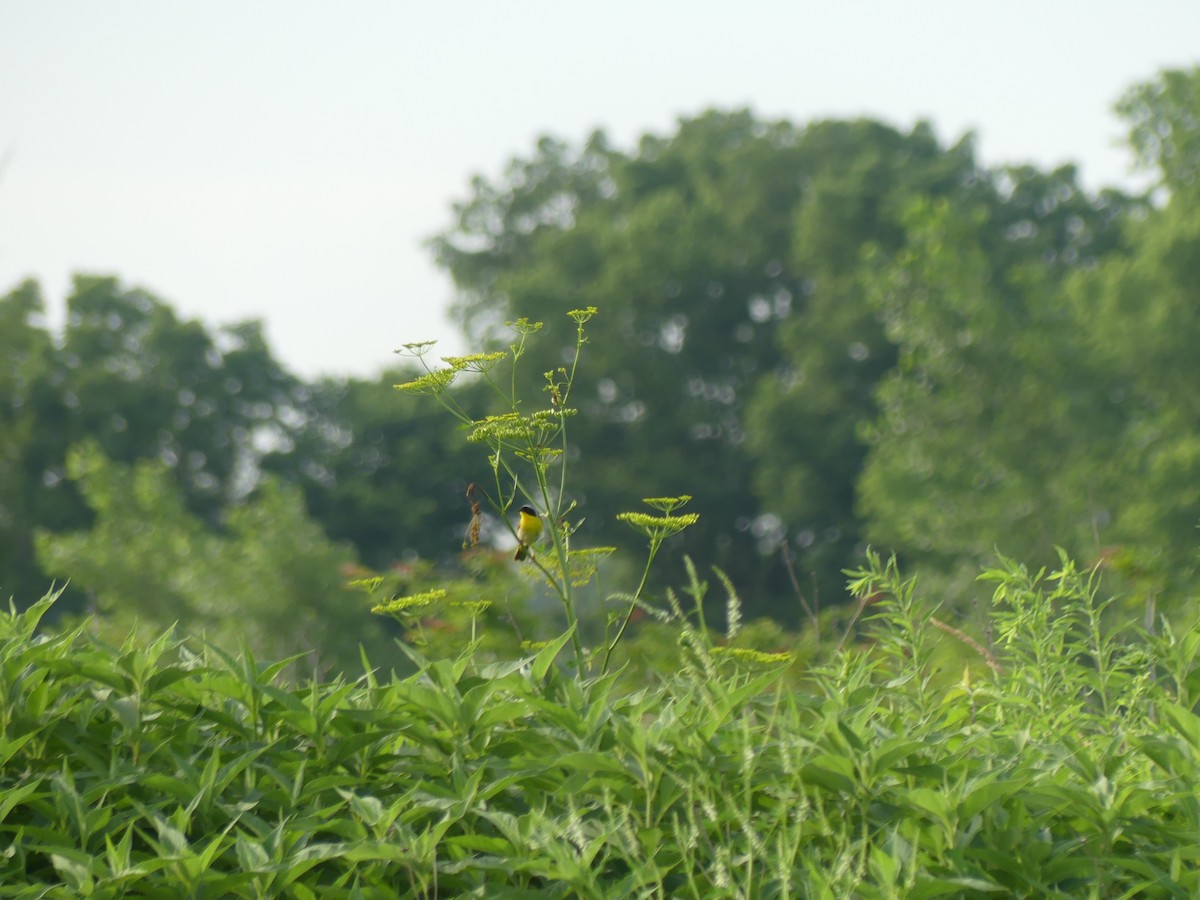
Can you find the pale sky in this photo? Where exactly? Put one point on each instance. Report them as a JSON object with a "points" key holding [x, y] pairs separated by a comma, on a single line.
{"points": [[285, 160]]}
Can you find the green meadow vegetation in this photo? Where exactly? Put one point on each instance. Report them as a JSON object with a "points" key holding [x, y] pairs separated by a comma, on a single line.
{"points": [[1062, 765], [869, 479]]}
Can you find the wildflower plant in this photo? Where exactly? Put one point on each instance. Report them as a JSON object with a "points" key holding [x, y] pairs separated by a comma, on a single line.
{"points": [[656, 529], [527, 454]]}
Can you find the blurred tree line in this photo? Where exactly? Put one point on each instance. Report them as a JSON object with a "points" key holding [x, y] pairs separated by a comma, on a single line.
{"points": [[829, 334]]}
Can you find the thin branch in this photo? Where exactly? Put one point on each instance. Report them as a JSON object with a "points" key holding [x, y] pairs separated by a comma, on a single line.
{"points": [[987, 655], [786, 552], [862, 604]]}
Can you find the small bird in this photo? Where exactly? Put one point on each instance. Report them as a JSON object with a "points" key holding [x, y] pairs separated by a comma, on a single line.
{"points": [[528, 531]]}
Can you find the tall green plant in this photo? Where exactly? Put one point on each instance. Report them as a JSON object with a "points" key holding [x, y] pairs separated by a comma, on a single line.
{"points": [[529, 460]]}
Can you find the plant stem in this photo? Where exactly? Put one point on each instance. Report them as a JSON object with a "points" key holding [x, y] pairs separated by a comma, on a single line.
{"points": [[654, 545]]}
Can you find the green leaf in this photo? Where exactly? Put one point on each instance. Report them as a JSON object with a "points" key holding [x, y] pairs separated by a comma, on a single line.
{"points": [[548, 654], [251, 856], [833, 773], [1184, 721]]}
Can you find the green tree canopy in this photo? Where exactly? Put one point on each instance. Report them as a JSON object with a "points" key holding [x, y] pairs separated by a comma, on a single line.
{"points": [[269, 576], [147, 385], [736, 353], [383, 470], [26, 393], [142, 383], [991, 388], [1050, 400], [1164, 128]]}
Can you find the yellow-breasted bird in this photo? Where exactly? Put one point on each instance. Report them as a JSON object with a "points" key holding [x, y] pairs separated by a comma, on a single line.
{"points": [[528, 531]]}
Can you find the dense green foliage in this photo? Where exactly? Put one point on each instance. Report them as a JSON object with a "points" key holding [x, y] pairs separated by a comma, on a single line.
{"points": [[1062, 766], [738, 350], [382, 471], [140, 384], [829, 335], [269, 577]]}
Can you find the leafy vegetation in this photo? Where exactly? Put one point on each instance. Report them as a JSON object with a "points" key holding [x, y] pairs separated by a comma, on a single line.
{"points": [[1061, 766], [225, 587], [129, 376], [828, 334], [739, 351], [528, 455]]}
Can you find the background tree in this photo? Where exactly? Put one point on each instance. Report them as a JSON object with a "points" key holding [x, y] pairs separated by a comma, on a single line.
{"points": [[736, 350], [132, 376], [991, 394], [1140, 318], [382, 470], [805, 415], [1049, 397], [670, 244], [211, 409], [827, 334], [26, 367], [1163, 114], [269, 577], [146, 385]]}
